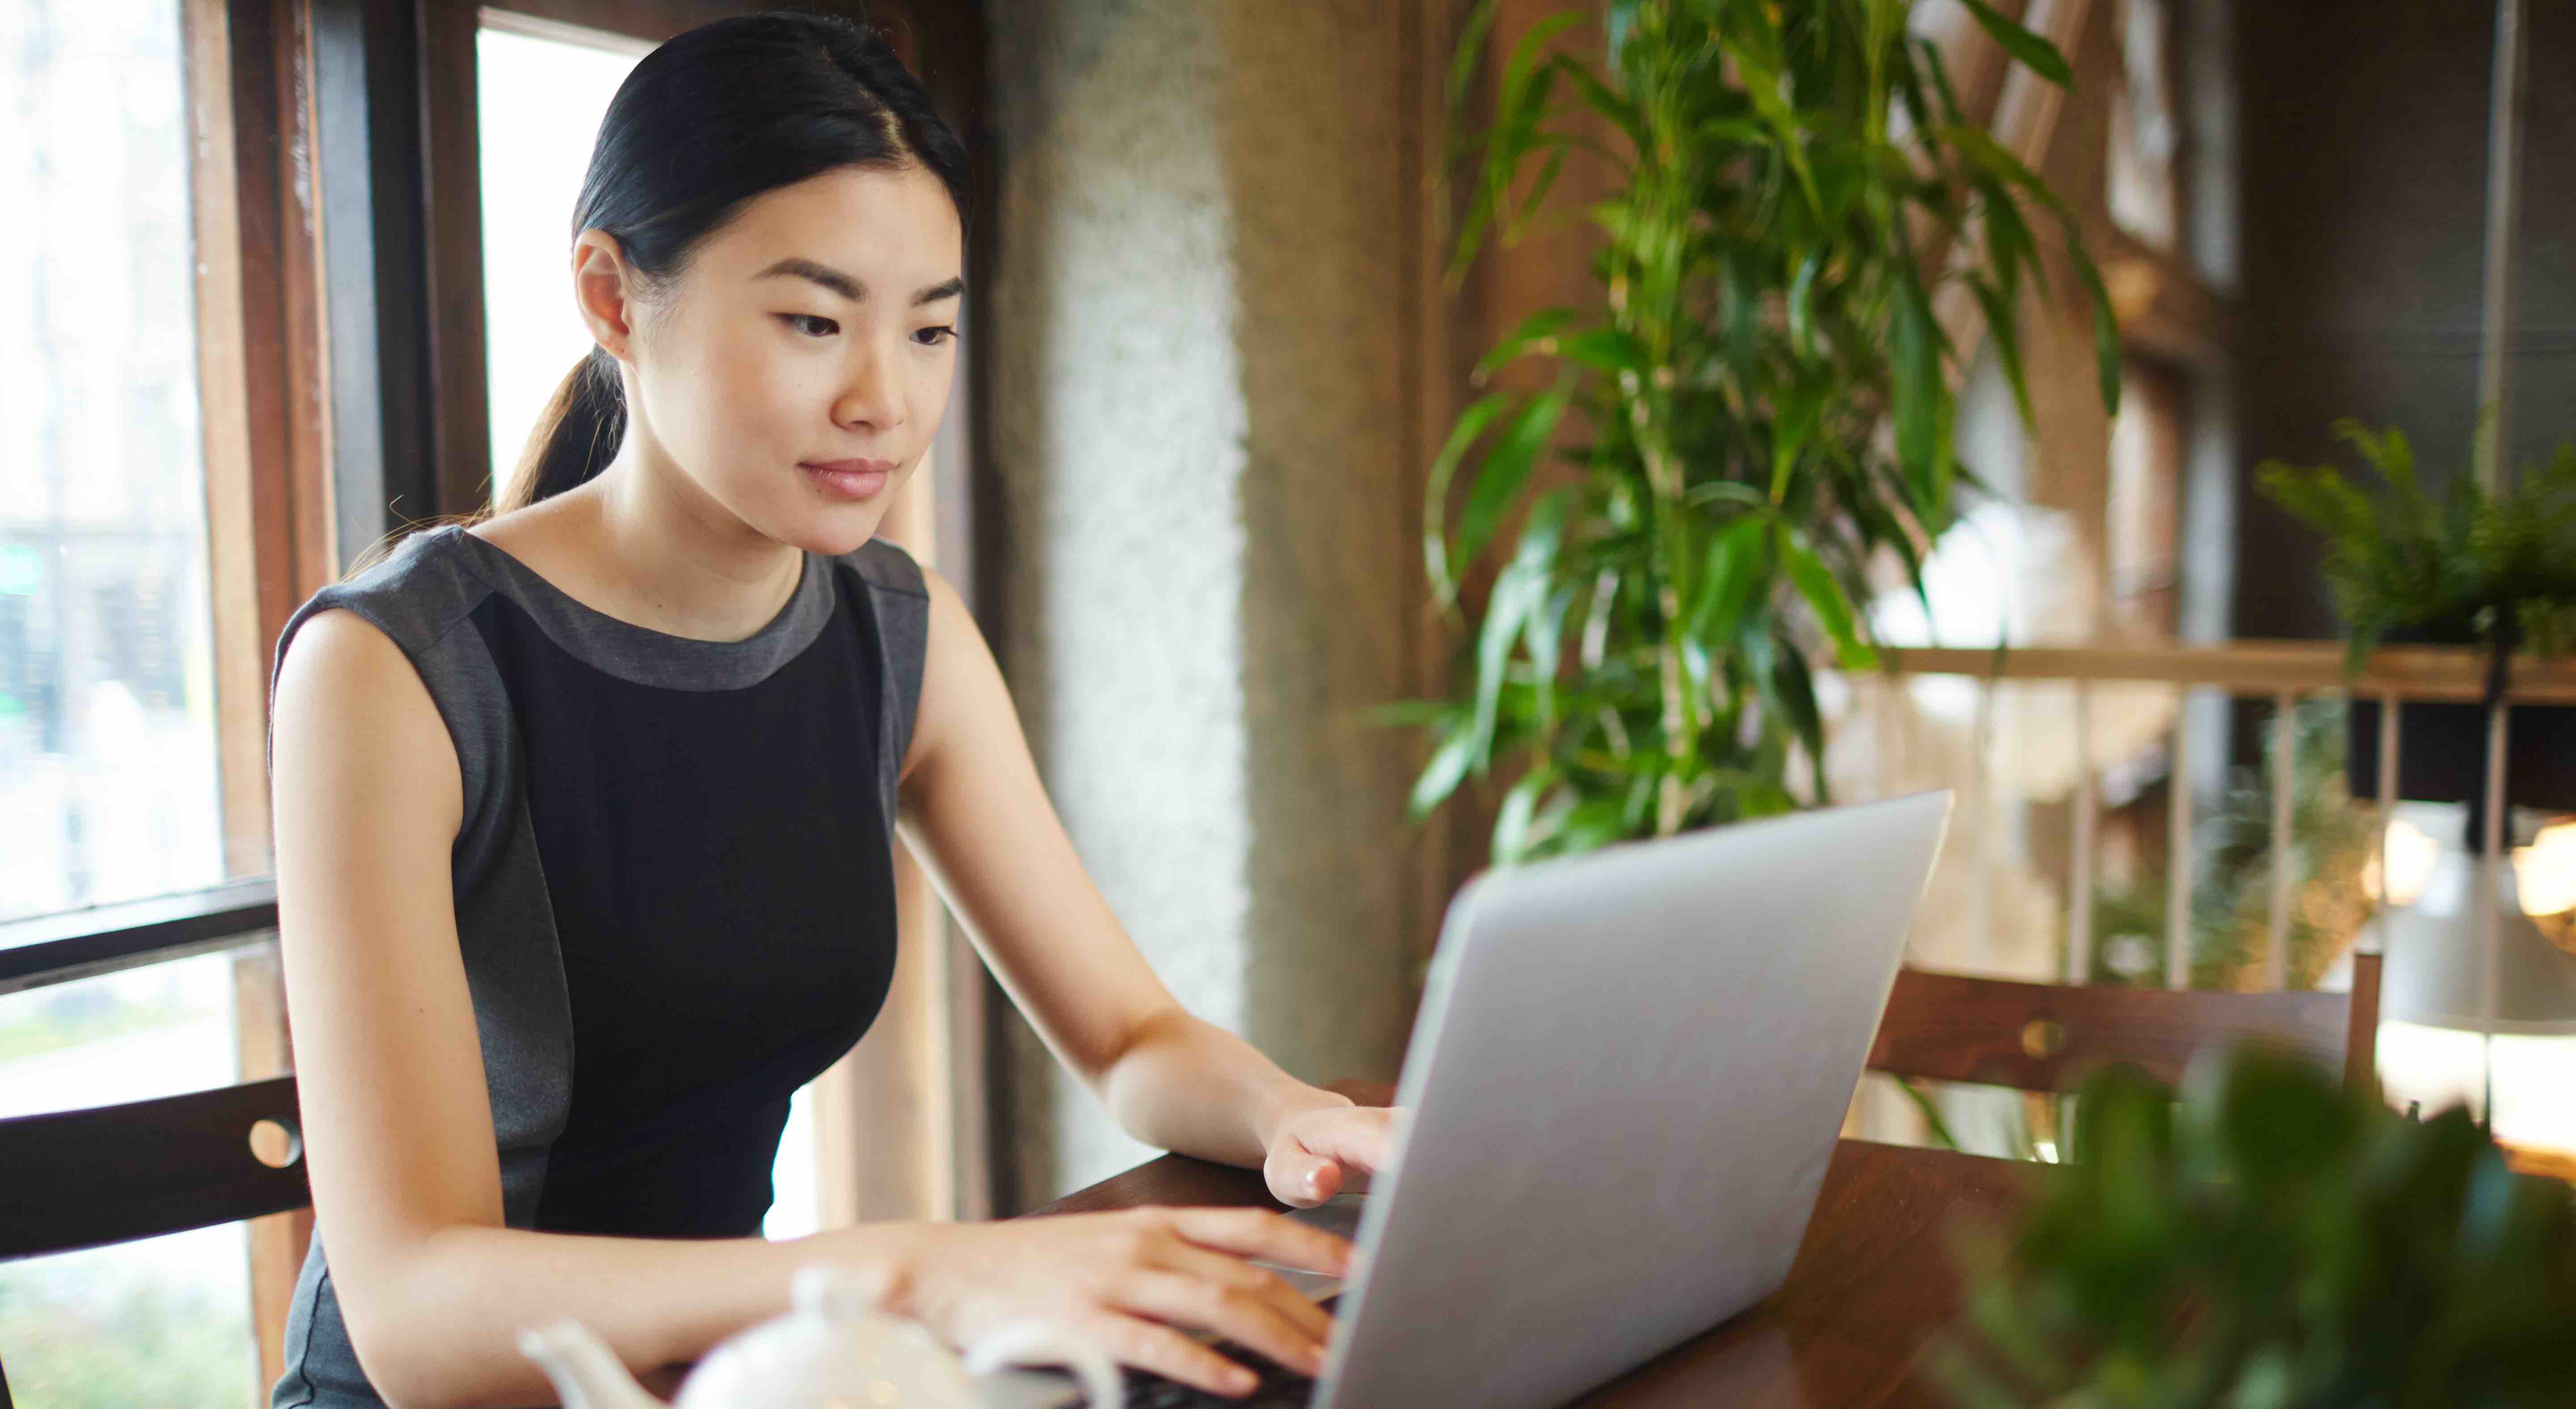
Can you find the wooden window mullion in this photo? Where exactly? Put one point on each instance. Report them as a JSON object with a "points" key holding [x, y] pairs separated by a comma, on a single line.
{"points": [[268, 500]]}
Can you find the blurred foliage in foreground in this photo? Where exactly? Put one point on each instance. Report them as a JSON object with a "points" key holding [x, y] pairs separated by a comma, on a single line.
{"points": [[2272, 1241]]}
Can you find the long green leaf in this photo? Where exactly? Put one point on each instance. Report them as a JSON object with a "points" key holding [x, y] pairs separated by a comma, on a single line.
{"points": [[1521, 341], [1802, 302], [1516, 591], [1796, 413], [1975, 143], [1940, 71], [1521, 589], [1543, 636], [1441, 776], [2040, 56], [1537, 197], [1622, 113], [1817, 584], [1471, 47], [2005, 329], [1736, 564], [1435, 501], [1522, 70], [2106, 324], [1796, 691], [2009, 246], [1506, 469], [1519, 809], [1914, 367], [1604, 349]]}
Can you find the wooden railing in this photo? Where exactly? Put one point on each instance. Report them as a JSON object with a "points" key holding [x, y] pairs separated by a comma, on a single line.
{"points": [[2285, 671], [2414, 674]]}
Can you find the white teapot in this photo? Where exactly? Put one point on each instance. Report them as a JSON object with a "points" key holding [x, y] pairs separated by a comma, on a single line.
{"points": [[831, 1350]]}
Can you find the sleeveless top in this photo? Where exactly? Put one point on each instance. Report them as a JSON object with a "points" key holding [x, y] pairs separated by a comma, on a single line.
{"points": [[673, 880]]}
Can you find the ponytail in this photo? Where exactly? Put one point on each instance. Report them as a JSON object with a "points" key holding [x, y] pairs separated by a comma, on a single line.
{"points": [[575, 436]]}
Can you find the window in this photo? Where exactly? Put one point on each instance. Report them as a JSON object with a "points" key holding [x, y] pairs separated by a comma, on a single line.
{"points": [[108, 783], [545, 86]]}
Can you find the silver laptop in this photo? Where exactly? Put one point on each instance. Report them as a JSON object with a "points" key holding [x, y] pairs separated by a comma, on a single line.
{"points": [[1625, 1083]]}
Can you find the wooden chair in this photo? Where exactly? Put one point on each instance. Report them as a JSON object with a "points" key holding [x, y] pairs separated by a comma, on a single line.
{"points": [[114, 1174], [2034, 1036]]}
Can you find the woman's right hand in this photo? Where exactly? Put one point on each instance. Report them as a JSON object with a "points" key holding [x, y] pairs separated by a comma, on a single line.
{"points": [[1129, 1282]]}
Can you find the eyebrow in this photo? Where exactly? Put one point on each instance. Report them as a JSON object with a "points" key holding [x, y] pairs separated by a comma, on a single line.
{"points": [[852, 289]]}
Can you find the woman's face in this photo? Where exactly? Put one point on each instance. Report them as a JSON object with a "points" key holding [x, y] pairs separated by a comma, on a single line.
{"points": [[795, 372]]}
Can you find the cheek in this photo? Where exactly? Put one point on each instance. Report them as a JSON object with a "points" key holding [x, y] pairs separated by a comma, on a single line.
{"points": [[930, 391], [745, 404]]}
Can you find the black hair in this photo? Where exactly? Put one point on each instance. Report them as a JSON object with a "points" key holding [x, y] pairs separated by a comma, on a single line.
{"points": [[703, 123]]}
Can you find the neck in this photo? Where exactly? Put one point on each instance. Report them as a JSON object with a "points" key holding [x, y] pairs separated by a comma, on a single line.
{"points": [[679, 555]]}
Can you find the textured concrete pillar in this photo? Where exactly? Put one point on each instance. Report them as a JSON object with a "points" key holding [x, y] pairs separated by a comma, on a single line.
{"points": [[1207, 573]]}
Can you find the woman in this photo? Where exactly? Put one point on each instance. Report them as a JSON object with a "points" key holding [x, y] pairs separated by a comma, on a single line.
{"points": [[583, 810]]}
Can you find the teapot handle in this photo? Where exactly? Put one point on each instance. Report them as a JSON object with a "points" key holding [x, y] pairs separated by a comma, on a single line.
{"points": [[1043, 1343]]}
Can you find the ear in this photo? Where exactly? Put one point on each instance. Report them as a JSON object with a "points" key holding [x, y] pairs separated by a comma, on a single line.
{"points": [[604, 292]]}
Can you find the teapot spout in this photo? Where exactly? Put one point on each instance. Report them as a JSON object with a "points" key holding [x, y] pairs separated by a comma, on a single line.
{"points": [[586, 1373]]}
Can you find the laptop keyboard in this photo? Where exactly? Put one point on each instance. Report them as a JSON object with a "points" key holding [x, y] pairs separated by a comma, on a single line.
{"points": [[1280, 1387]]}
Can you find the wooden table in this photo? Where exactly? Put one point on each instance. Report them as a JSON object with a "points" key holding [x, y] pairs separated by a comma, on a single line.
{"points": [[1872, 1282]]}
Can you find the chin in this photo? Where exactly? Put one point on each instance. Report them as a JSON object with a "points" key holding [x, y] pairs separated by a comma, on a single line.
{"points": [[832, 532]]}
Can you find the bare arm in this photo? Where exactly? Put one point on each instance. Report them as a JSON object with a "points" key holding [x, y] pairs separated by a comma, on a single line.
{"points": [[978, 816], [399, 1137]]}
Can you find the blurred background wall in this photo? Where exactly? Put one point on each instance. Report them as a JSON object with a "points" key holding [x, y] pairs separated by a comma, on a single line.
{"points": [[1199, 524]]}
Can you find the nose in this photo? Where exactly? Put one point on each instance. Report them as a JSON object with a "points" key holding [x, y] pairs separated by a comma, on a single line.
{"points": [[871, 394]]}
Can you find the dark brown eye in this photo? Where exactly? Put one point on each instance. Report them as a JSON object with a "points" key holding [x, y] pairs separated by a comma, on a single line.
{"points": [[811, 325]]}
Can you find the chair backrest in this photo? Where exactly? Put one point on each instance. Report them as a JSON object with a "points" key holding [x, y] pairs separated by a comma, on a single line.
{"points": [[2034, 1036], [113, 1174]]}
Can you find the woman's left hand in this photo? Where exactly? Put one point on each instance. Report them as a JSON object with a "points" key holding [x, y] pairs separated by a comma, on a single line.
{"points": [[1315, 1153]]}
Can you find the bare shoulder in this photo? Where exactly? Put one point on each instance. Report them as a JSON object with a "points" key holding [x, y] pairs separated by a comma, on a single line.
{"points": [[944, 596], [955, 639], [352, 713], [962, 693], [339, 658]]}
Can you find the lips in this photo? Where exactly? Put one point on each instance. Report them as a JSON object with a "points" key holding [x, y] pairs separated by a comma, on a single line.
{"points": [[849, 479]]}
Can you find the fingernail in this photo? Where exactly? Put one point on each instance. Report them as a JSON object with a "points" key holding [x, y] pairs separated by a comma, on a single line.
{"points": [[1240, 1381]]}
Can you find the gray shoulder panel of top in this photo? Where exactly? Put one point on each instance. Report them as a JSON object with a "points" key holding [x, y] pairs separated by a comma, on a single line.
{"points": [[887, 567], [418, 595], [900, 597]]}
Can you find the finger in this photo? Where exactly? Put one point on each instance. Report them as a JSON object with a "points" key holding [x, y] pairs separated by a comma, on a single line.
{"points": [[1249, 1232], [1242, 1316], [1166, 1352], [1299, 1177], [1359, 1138], [1233, 1274]]}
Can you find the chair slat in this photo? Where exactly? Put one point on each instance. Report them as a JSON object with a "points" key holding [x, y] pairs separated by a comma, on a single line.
{"points": [[86, 1178], [1950, 1027]]}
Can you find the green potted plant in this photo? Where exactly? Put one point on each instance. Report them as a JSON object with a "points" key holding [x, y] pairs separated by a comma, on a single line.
{"points": [[1763, 386], [2469, 566], [2274, 1241]]}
